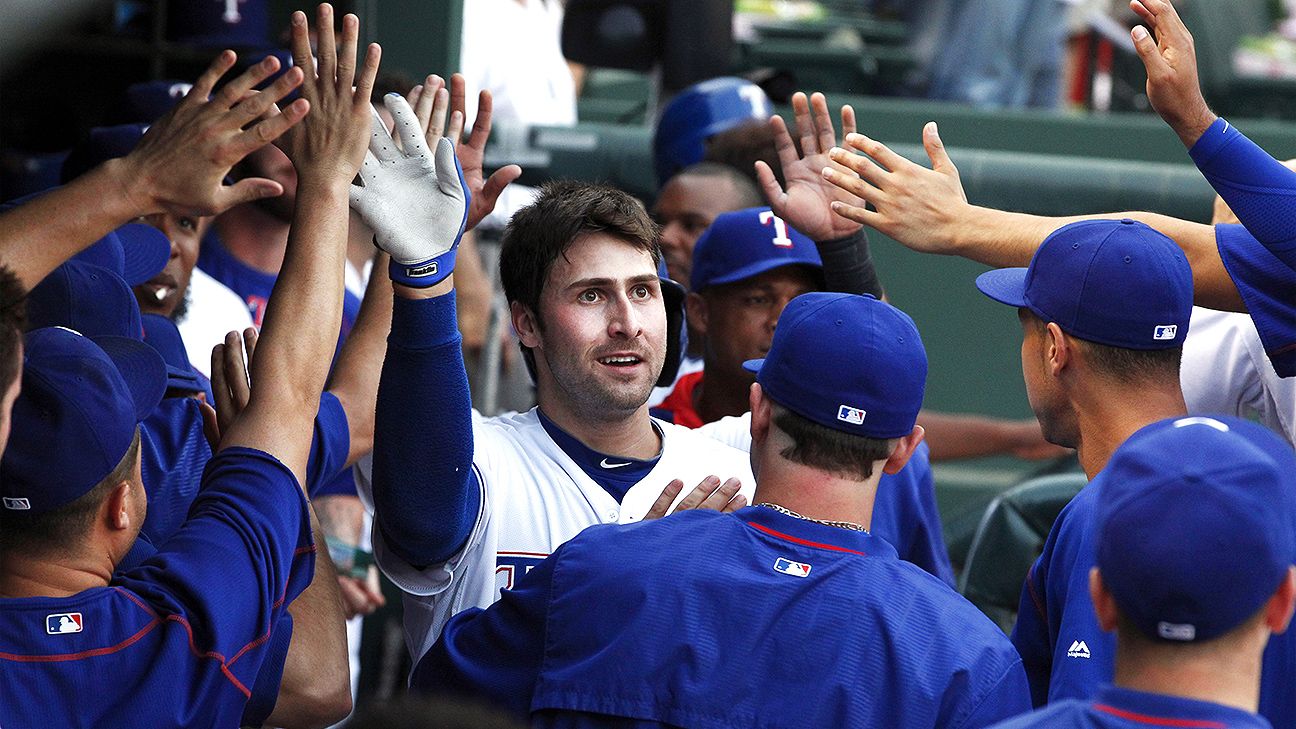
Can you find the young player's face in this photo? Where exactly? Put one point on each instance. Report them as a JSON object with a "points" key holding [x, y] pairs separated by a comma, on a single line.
{"points": [[741, 317], [603, 338], [164, 292], [685, 208]]}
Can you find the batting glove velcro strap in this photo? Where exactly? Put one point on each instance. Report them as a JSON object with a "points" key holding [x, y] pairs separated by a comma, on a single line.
{"points": [[415, 201]]}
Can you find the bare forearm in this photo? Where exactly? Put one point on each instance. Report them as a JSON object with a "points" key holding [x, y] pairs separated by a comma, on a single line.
{"points": [[359, 365], [35, 238]]}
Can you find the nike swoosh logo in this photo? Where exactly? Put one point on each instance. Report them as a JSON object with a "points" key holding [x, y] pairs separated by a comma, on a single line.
{"points": [[604, 463]]}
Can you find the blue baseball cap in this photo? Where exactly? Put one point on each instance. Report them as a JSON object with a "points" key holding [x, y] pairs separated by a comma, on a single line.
{"points": [[161, 334], [147, 101], [1113, 282], [75, 418], [85, 298], [746, 243], [699, 112], [848, 362], [135, 251], [1195, 521]]}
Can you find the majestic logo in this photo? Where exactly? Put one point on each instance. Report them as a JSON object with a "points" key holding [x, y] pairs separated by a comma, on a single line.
{"points": [[60, 623], [16, 504], [1177, 631], [427, 269], [788, 567], [1165, 332], [604, 464], [848, 414], [1078, 649]]}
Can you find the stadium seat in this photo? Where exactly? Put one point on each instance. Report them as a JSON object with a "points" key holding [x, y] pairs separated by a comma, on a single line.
{"points": [[1009, 539]]}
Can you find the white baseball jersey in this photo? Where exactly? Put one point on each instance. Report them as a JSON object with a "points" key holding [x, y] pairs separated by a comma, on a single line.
{"points": [[1225, 370], [534, 498]]}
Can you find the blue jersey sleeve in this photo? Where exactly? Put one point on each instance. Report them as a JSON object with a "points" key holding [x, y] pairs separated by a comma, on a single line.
{"points": [[1268, 287], [330, 445], [495, 654], [1259, 189], [905, 515], [173, 453], [265, 692], [252, 517], [1006, 697], [425, 493], [1030, 634]]}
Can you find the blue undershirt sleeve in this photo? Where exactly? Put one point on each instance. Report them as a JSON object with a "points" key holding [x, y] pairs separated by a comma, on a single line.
{"points": [[426, 496], [1259, 188], [330, 445]]}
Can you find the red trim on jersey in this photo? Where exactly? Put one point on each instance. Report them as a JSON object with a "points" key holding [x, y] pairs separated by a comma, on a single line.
{"points": [[1160, 720], [680, 402], [1035, 598], [83, 654], [805, 542]]}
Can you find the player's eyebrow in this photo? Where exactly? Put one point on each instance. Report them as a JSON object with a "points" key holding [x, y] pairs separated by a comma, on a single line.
{"points": [[596, 282]]}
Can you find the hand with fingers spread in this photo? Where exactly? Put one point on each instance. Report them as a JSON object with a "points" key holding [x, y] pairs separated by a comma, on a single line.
{"points": [[919, 207], [329, 146], [431, 104], [805, 205], [230, 363], [710, 494], [180, 165], [415, 202], [1171, 62]]}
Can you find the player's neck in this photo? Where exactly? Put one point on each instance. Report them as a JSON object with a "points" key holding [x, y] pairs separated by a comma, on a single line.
{"points": [[1108, 415], [22, 576], [255, 237], [720, 396], [816, 494], [1228, 677], [625, 436]]}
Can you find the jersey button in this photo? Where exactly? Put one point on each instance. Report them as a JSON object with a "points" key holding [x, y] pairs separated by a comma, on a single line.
{"points": [[612, 515]]}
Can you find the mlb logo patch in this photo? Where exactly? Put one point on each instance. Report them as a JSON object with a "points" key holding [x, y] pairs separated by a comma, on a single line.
{"points": [[788, 567], [17, 504], [1165, 332], [59, 623], [848, 414]]}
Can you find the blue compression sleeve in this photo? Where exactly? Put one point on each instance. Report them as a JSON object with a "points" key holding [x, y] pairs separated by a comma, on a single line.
{"points": [[1259, 189], [426, 497]]}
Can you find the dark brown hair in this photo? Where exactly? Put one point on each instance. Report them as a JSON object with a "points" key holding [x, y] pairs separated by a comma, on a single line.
{"points": [[827, 449]]}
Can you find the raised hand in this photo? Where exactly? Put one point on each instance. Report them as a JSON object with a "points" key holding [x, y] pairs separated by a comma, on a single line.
{"points": [[918, 207], [230, 383], [805, 205], [415, 202], [1171, 62], [180, 165], [330, 145]]}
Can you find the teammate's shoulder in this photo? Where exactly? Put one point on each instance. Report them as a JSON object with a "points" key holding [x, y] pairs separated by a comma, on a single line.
{"points": [[1065, 714], [616, 542]]}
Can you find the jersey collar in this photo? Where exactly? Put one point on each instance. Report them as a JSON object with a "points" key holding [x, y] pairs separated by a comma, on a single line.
{"points": [[1158, 710], [615, 474], [791, 530]]}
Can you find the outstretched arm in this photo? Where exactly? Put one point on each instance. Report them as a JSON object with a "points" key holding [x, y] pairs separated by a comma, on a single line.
{"points": [[178, 167], [927, 211], [1260, 189], [806, 203]]}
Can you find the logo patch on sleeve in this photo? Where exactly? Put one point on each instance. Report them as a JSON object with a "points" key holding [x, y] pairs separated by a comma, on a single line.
{"points": [[848, 414], [788, 567], [16, 504], [59, 623]]}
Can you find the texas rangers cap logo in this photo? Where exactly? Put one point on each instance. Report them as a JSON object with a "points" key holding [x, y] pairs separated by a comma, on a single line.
{"points": [[60, 623], [788, 567]]}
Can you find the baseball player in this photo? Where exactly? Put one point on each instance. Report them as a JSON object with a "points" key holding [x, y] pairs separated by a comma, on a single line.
{"points": [[1191, 616], [185, 635], [747, 266], [797, 616], [689, 202], [464, 505]]}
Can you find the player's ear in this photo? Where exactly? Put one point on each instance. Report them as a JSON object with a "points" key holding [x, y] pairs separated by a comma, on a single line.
{"points": [[903, 450], [118, 508], [1103, 602], [1278, 611], [761, 412], [525, 324], [696, 308], [1059, 349]]}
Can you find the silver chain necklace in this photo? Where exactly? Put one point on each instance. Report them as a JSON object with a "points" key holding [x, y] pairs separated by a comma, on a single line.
{"points": [[852, 526]]}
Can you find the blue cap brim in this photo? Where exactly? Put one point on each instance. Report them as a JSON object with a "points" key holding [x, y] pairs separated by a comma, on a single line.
{"points": [[142, 369], [1005, 285], [182, 379], [753, 365], [146, 251], [752, 270]]}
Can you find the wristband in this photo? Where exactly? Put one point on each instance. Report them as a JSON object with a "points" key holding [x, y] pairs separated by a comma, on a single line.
{"points": [[423, 274]]}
